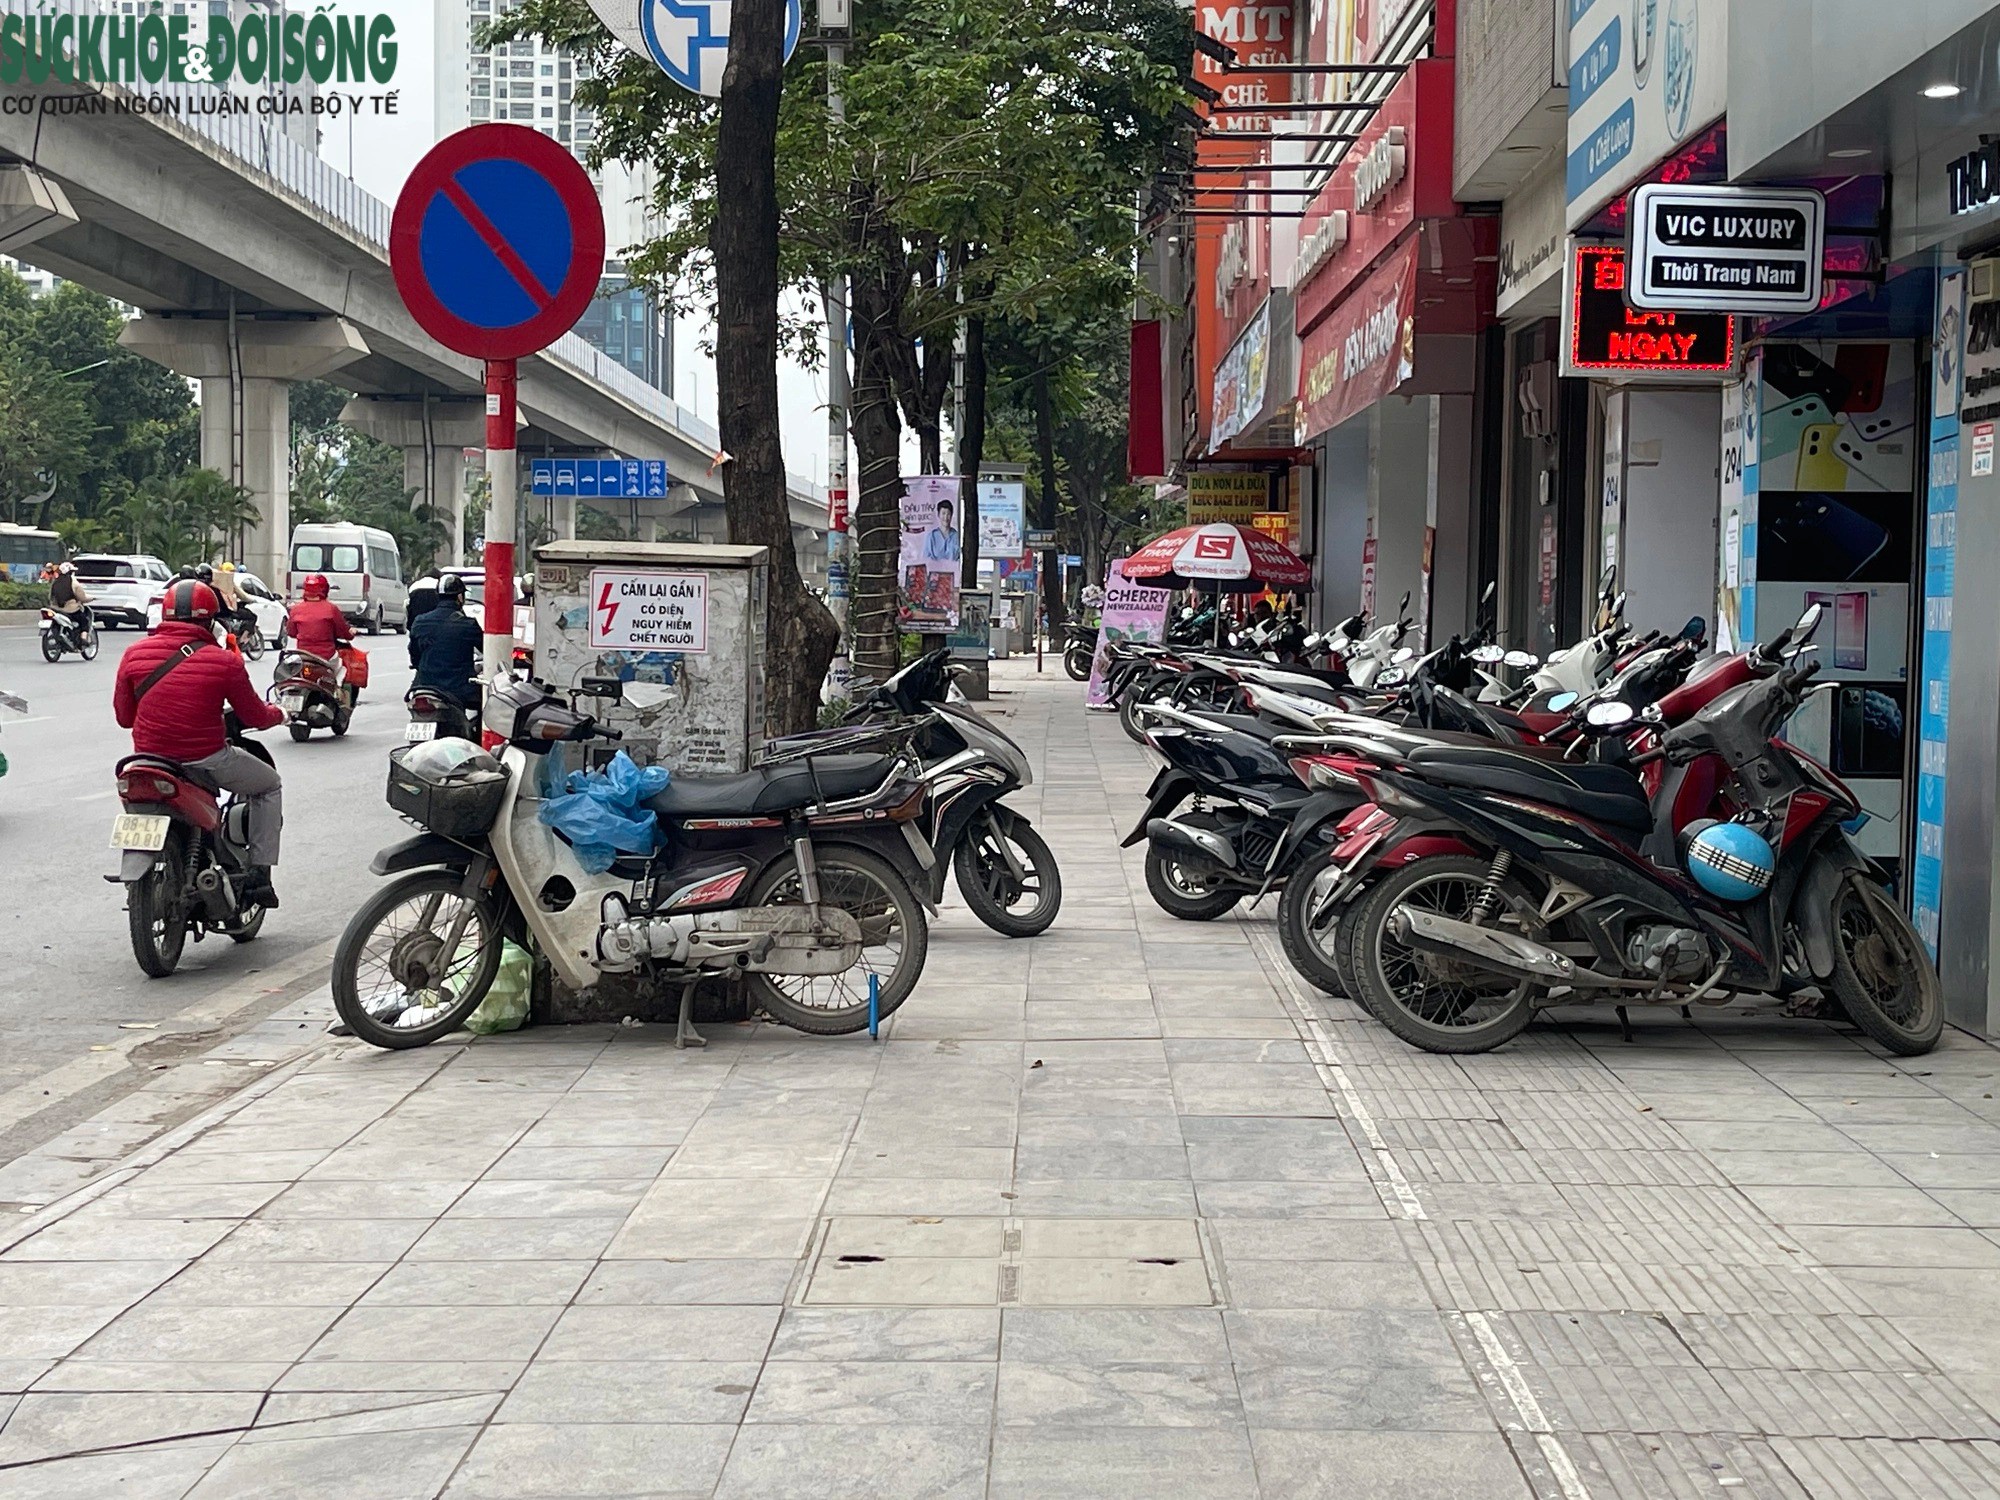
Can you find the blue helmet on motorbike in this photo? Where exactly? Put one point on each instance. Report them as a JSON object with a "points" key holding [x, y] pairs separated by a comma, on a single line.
{"points": [[1730, 861]]}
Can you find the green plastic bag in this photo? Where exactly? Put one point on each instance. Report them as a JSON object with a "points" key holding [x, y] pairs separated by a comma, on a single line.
{"points": [[505, 1007]]}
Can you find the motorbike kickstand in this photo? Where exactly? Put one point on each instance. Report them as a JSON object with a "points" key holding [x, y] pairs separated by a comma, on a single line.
{"points": [[1624, 1024], [684, 1033]]}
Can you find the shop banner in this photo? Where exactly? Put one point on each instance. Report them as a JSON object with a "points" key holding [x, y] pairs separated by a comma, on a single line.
{"points": [[1132, 612], [1002, 508], [1642, 79], [1226, 495], [1940, 583], [1239, 380], [928, 561], [1362, 350]]}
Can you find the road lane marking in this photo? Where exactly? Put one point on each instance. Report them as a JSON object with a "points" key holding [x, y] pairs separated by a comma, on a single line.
{"points": [[1522, 1397]]}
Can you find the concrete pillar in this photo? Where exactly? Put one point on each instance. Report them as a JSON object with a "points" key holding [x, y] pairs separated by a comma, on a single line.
{"points": [[442, 427], [246, 403], [565, 518], [649, 528]]}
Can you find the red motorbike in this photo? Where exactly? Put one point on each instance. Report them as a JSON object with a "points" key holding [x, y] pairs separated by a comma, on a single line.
{"points": [[183, 857], [1696, 857]]}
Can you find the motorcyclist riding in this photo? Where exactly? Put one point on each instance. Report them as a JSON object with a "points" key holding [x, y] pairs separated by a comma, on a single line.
{"points": [[445, 646], [232, 614], [179, 717], [315, 624], [67, 595]]}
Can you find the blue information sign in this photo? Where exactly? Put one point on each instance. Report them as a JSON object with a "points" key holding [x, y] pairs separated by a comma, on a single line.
{"points": [[600, 478]]}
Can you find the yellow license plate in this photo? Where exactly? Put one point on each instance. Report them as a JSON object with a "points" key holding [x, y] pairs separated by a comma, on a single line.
{"points": [[147, 831]]}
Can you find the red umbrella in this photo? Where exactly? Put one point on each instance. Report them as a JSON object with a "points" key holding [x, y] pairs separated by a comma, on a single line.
{"points": [[1232, 559]]}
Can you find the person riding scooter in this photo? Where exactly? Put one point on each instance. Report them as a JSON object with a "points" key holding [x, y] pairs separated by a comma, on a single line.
{"points": [[67, 595], [315, 624], [445, 647], [171, 692]]}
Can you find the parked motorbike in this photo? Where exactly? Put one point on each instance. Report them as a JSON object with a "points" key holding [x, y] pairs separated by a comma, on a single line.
{"points": [[62, 634], [433, 716], [313, 692], [184, 857], [1079, 649], [796, 876], [1005, 869], [1540, 885]]}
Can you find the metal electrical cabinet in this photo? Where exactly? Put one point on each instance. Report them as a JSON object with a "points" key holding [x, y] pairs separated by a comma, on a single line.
{"points": [[682, 625]]}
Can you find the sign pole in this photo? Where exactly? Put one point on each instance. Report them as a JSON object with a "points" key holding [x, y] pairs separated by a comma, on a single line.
{"points": [[839, 554], [500, 473]]}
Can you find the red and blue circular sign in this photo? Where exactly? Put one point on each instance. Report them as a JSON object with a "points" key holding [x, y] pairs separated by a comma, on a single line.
{"points": [[497, 243]]}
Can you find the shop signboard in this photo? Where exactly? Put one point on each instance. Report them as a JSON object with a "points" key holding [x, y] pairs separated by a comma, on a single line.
{"points": [[1726, 249], [1643, 78], [1940, 584], [1260, 34], [1531, 244], [1226, 495], [1362, 350], [1603, 335], [1133, 611], [928, 559], [1002, 505], [1240, 379]]}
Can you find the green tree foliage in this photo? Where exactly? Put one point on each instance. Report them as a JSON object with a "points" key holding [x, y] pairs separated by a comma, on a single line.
{"points": [[188, 518], [339, 474], [84, 424]]}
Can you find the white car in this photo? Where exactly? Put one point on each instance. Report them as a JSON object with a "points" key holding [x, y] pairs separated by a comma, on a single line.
{"points": [[124, 588], [270, 610]]}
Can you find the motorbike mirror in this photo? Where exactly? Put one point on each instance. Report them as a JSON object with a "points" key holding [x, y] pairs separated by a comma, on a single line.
{"points": [[1486, 594], [1695, 629], [1562, 703], [1612, 713], [1488, 656], [1809, 621], [1618, 606], [1406, 653], [1403, 608], [1607, 582], [1313, 640], [1521, 660]]}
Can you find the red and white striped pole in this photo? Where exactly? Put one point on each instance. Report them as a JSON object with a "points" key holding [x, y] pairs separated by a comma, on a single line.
{"points": [[499, 557]]}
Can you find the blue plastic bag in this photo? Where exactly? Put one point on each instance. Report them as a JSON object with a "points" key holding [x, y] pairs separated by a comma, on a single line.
{"points": [[601, 815]]}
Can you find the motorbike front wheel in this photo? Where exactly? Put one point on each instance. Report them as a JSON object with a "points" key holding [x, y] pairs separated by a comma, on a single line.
{"points": [[1188, 894], [156, 908], [416, 960], [1438, 1002], [1309, 934], [300, 730], [894, 941], [1882, 974], [1016, 906], [1076, 662], [86, 643], [251, 641]]}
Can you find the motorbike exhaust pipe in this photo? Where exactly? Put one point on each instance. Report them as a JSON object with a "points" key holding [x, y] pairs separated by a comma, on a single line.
{"points": [[1495, 947], [1204, 845]]}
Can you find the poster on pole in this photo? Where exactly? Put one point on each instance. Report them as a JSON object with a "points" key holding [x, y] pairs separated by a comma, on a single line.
{"points": [[928, 560], [1133, 611], [1002, 507]]}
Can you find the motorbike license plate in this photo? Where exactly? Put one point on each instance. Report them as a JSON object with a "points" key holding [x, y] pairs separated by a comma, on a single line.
{"points": [[292, 703], [420, 730], [147, 831]]}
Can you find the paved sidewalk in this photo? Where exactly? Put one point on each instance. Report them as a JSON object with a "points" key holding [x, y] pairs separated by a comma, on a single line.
{"points": [[1123, 1211]]}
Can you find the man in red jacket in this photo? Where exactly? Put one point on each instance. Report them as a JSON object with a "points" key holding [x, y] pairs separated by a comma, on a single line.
{"points": [[316, 624], [171, 690]]}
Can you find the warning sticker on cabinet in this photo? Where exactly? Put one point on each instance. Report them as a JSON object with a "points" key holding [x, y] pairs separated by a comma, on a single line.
{"points": [[648, 610]]}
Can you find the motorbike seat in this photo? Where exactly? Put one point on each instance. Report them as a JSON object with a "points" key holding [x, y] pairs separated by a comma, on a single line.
{"points": [[772, 789], [1605, 794], [174, 768]]}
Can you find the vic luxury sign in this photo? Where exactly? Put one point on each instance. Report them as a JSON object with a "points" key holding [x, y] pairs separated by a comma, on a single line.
{"points": [[1726, 249], [280, 46]]}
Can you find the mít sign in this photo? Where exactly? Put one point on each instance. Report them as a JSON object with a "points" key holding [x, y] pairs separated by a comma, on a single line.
{"points": [[648, 610], [1605, 335]]}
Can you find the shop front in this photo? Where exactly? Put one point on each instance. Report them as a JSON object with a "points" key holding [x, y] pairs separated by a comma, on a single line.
{"points": [[1391, 286]]}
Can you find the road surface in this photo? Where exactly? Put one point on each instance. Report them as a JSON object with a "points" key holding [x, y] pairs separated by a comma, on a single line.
{"points": [[69, 976]]}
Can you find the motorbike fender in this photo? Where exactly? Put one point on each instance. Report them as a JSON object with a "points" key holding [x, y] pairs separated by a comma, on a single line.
{"points": [[896, 847], [422, 852], [1169, 789], [1421, 846], [1833, 862], [1314, 822], [133, 865]]}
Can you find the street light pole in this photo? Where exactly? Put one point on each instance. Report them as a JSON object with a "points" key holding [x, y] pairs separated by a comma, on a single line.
{"points": [[835, 18]]}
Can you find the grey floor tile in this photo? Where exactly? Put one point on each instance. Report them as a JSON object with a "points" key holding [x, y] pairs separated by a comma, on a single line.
{"points": [[98, 1237], [467, 1331], [565, 1391], [705, 1282], [1065, 1336], [168, 1332], [659, 1332], [927, 1333], [515, 1239], [1963, 1249], [1852, 1206], [1122, 1463], [1126, 1394], [320, 1239], [165, 1472], [1309, 1239], [527, 1198], [528, 1461], [364, 1200], [243, 1283], [1317, 1338], [361, 1466], [517, 1283], [1302, 1465], [1324, 1283], [439, 1377], [25, 1284], [882, 1462], [162, 1375], [54, 1424], [858, 1392], [1418, 1398]]}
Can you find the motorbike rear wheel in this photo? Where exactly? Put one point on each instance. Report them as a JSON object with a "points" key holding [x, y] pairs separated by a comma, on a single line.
{"points": [[1440, 1004], [156, 908], [1015, 908], [1076, 662], [416, 960], [1312, 946], [300, 730], [52, 648], [1184, 893], [1882, 974], [895, 939]]}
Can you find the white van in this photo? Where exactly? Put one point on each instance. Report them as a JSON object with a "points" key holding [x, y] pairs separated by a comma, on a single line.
{"points": [[364, 572]]}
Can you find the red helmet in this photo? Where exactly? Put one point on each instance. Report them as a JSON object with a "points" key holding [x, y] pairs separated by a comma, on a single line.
{"points": [[191, 601], [314, 586]]}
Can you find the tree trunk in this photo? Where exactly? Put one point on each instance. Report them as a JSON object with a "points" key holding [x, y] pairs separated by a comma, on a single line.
{"points": [[972, 445], [1045, 506], [877, 519], [800, 633]]}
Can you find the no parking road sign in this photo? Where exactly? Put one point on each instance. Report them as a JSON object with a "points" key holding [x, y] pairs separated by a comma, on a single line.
{"points": [[497, 242]]}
